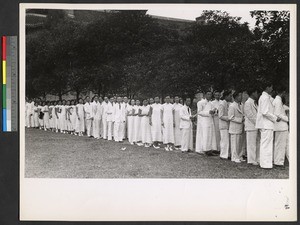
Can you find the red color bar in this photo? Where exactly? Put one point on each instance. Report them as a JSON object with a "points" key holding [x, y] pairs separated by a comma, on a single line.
{"points": [[3, 48]]}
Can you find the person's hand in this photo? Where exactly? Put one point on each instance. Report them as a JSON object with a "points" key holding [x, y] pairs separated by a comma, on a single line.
{"points": [[278, 119]]}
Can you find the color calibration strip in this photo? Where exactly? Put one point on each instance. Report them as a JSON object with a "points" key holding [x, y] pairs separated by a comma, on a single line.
{"points": [[9, 83]]}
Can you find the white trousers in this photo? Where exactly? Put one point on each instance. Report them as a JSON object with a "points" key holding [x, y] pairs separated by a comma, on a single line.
{"points": [[218, 133], [252, 146], [123, 128], [280, 145], [109, 130], [224, 144], [118, 131], [266, 148], [96, 127], [236, 144], [88, 127], [28, 121], [186, 139], [104, 128], [199, 139]]}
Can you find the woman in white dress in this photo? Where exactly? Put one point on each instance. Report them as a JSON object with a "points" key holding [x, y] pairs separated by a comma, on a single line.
{"points": [[68, 118], [145, 124], [137, 137], [97, 114], [57, 113], [73, 116], [51, 115], [41, 115], [36, 115], [155, 122], [168, 124], [130, 121], [63, 117], [45, 110], [80, 117], [176, 115]]}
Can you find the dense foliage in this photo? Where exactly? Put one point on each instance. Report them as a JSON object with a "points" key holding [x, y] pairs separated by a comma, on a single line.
{"points": [[129, 52]]}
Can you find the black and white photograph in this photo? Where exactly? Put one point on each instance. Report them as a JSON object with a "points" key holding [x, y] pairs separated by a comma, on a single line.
{"points": [[157, 93]]}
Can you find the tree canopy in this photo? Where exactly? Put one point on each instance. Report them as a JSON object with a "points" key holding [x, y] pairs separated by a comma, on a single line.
{"points": [[133, 54]]}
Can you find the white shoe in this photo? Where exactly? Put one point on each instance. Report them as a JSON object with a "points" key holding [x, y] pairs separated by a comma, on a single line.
{"points": [[147, 146], [170, 149], [255, 164], [237, 161], [139, 144], [156, 147], [167, 149], [123, 149]]}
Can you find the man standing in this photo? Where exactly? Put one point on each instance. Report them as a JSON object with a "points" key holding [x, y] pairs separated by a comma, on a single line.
{"points": [[206, 113], [252, 138], [124, 125], [186, 126], [176, 116], [198, 148], [110, 118], [216, 103], [104, 117], [224, 124], [88, 116], [281, 129], [235, 116], [119, 120], [265, 122]]}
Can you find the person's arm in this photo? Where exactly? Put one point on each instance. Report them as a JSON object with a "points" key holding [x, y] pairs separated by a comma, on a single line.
{"points": [[202, 112], [162, 117], [221, 113], [77, 112], [277, 111], [231, 116], [150, 115], [265, 111], [140, 113], [248, 113]]}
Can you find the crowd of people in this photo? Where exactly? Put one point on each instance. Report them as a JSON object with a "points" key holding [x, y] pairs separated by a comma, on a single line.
{"points": [[256, 131]]}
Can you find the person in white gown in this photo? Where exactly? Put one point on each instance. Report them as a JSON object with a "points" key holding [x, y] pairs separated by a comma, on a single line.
{"points": [[89, 117], [41, 115], [63, 117], [186, 126], [216, 103], [198, 146], [168, 124], [97, 115], [137, 137], [155, 117], [125, 102], [145, 124], [208, 137], [224, 124], [58, 117], [176, 116], [110, 118], [45, 110], [80, 117], [119, 120], [73, 116], [130, 121], [51, 106], [104, 117], [36, 115]]}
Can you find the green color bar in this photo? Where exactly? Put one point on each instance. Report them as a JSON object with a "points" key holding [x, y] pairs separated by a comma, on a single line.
{"points": [[4, 96]]}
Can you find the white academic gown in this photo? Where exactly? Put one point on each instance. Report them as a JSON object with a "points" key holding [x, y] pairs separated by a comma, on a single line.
{"points": [[89, 118], [168, 129], [109, 120], [119, 120], [177, 130], [208, 128], [130, 123], [156, 128], [200, 106]]}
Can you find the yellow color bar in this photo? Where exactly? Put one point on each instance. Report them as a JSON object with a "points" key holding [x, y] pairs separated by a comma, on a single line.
{"points": [[4, 71]]}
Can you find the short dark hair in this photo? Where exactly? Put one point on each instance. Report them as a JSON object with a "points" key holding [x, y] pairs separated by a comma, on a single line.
{"points": [[236, 93], [280, 89], [226, 93], [250, 91], [266, 84]]}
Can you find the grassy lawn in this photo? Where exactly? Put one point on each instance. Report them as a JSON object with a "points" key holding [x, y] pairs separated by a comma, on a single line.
{"points": [[52, 155]]}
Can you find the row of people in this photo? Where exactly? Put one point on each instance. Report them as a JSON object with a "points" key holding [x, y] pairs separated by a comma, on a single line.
{"points": [[226, 126]]}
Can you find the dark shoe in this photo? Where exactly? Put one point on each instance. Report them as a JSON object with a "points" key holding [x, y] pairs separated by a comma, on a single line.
{"points": [[209, 153], [280, 167]]}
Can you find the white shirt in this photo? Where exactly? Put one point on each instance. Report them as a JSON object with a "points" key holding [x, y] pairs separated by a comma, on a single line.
{"points": [[279, 111], [250, 112], [88, 110], [265, 113]]}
